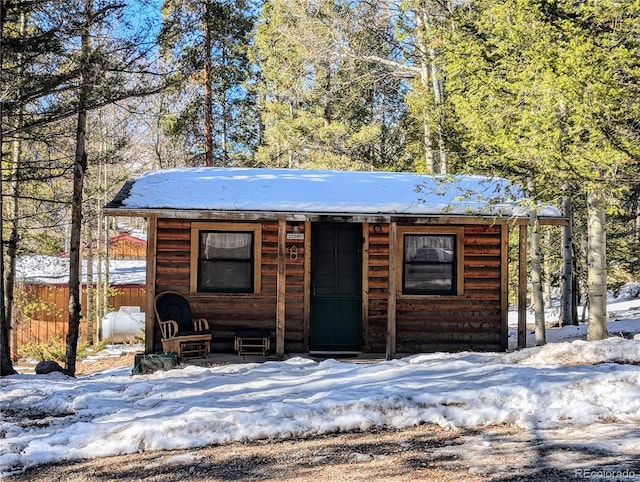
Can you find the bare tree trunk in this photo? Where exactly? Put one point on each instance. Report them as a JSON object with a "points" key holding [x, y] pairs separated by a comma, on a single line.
{"points": [[91, 312], [224, 137], [326, 98], [546, 271], [428, 150], [597, 266], [568, 279], [106, 274], [575, 301], [261, 101], [432, 80], [290, 155], [99, 278], [582, 281], [6, 366], [208, 115], [79, 171], [157, 133], [422, 26], [536, 284], [98, 310], [14, 237], [438, 96]]}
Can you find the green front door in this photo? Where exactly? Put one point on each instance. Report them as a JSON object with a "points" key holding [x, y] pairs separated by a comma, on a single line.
{"points": [[336, 284]]}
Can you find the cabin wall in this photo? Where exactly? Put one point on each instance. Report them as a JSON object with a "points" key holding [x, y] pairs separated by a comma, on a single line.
{"points": [[126, 247], [472, 320], [377, 274], [296, 328], [230, 312]]}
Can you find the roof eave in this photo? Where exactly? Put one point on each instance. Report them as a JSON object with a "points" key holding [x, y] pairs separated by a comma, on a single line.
{"points": [[206, 214], [553, 221]]}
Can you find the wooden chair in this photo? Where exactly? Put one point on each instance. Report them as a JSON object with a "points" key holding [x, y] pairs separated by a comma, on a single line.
{"points": [[181, 333]]}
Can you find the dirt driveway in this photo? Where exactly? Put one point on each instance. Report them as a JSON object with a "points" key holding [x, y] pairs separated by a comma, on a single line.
{"points": [[424, 453]]}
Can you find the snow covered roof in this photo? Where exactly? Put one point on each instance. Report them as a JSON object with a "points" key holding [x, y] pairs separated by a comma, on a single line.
{"points": [[320, 192]]}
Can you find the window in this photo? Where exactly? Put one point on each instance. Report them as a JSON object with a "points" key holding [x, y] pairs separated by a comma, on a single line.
{"points": [[224, 258], [431, 260]]}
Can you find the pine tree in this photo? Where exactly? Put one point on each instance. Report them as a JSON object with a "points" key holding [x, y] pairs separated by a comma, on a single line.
{"points": [[544, 91], [207, 41], [61, 81], [322, 105], [21, 45]]}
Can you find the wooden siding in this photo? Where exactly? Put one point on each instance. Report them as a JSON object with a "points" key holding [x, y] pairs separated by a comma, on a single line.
{"points": [[45, 312], [127, 247], [230, 312], [378, 282], [429, 323], [295, 328], [471, 320], [121, 246]]}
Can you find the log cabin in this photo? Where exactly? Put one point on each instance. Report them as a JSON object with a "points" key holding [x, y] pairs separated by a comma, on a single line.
{"points": [[335, 262]]}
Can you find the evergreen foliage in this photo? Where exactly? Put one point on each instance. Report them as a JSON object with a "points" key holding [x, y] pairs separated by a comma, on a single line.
{"points": [[544, 92], [206, 44], [324, 104]]}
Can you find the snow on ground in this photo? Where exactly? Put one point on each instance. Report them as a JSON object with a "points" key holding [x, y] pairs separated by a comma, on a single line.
{"points": [[570, 396], [54, 270]]}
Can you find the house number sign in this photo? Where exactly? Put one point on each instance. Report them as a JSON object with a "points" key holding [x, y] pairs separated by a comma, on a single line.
{"points": [[297, 236]]}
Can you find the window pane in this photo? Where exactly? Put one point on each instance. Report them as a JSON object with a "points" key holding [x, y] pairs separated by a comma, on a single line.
{"points": [[225, 262], [425, 278], [216, 245], [426, 248], [429, 264], [226, 276]]}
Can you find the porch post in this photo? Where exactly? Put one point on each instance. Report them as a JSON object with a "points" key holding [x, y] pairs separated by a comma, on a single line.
{"points": [[307, 285], [522, 286], [150, 309], [281, 286], [504, 282], [391, 304]]}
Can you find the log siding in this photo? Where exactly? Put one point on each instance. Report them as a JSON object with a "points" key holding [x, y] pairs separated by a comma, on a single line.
{"points": [[472, 319]]}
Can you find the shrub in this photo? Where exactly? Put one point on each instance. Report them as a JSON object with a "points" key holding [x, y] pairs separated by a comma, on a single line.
{"points": [[56, 348]]}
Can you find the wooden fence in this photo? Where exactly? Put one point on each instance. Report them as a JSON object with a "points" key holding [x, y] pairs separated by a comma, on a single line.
{"points": [[42, 310]]}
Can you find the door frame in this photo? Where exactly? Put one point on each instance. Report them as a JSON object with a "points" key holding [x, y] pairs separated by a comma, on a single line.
{"points": [[361, 228]]}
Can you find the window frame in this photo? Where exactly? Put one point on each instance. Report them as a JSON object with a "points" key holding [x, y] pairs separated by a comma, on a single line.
{"points": [[254, 228], [458, 261]]}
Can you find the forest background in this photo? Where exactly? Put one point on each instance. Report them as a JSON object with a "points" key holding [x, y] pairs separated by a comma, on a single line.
{"points": [[542, 92]]}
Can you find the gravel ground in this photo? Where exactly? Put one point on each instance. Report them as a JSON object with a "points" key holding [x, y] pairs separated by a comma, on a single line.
{"points": [[424, 453]]}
